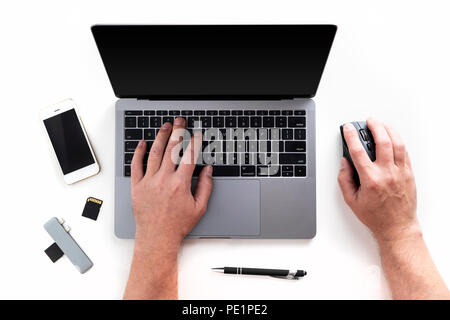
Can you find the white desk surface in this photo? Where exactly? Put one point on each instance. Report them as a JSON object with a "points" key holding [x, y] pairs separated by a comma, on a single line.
{"points": [[390, 60]]}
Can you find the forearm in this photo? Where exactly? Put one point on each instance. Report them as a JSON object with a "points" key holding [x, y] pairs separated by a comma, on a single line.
{"points": [[409, 269], [153, 273]]}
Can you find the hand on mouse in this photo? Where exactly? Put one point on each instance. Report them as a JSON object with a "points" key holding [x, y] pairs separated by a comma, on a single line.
{"points": [[164, 207], [386, 200]]}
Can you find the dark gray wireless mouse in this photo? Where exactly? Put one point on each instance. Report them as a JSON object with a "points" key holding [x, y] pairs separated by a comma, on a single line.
{"points": [[367, 141]]}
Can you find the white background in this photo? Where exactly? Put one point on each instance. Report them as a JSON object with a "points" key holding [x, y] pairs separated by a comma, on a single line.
{"points": [[390, 60]]}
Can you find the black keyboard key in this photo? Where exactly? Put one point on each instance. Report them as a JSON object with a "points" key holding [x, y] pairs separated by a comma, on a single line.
{"points": [[262, 112], [295, 122], [274, 112], [243, 122], [248, 171], [226, 171], [133, 113], [287, 171], [237, 112], [264, 171], [292, 158], [249, 112], [206, 122], [197, 170], [155, 122], [211, 112], [224, 112], [223, 133], [130, 146], [277, 146], [261, 158], [218, 122], [287, 112], [127, 171], [149, 134], [174, 112], [300, 134], [128, 158], [230, 122], [149, 112], [232, 158], [299, 112], [167, 119], [161, 112], [133, 134], [295, 146], [255, 122], [268, 122], [287, 134], [130, 122], [191, 121], [143, 122], [199, 112], [300, 171], [249, 158], [186, 112], [281, 122]]}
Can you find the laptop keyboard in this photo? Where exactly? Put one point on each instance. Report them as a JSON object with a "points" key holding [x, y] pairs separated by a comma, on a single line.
{"points": [[238, 143]]}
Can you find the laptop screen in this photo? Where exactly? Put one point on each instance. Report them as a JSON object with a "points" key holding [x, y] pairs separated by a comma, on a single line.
{"points": [[226, 61]]}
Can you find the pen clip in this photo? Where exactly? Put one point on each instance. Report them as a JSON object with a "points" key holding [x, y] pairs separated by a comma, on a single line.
{"points": [[287, 277]]}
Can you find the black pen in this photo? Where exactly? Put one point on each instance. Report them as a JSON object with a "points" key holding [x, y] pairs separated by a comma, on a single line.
{"points": [[277, 273]]}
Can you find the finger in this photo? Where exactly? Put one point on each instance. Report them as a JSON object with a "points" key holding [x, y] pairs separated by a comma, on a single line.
{"points": [[384, 151], [346, 182], [359, 155], [204, 187], [158, 147], [190, 156], [408, 160], [397, 145], [137, 163], [174, 146]]}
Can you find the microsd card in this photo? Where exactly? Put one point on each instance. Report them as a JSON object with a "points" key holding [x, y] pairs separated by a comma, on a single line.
{"points": [[54, 252], [92, 208]]}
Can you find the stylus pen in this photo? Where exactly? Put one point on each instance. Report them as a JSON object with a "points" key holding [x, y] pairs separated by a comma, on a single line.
{"points": [[277, 273]]}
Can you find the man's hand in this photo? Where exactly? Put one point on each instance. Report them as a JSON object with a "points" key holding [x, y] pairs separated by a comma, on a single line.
{"points": [[386, 200], [164, 209], [386, 203]]}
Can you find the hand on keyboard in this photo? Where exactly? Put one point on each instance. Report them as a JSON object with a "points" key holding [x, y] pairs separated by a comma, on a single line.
{"points": [[164, 207]]}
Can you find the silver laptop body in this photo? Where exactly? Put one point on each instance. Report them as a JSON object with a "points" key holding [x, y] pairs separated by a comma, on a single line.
{"points": [[256, 207], [281, 204]]}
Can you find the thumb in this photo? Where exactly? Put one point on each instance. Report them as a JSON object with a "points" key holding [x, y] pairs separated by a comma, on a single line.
{"points": [[345, 179], [203, 190]]}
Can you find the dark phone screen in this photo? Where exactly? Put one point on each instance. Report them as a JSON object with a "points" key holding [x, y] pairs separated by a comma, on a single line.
{"points": [[214, 60], [69, 142]]}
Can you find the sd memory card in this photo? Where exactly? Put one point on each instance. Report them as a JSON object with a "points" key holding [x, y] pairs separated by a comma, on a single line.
{"points": [[92, 208]]}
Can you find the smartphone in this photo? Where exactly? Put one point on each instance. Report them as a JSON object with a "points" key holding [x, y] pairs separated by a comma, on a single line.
{"points": [[70, 142]]}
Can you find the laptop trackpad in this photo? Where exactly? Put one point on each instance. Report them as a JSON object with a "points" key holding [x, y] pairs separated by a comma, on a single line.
{"points": [[233, 210]]}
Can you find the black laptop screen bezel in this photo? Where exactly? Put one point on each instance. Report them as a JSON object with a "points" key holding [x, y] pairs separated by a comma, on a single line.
{"points": [[327, 31]]}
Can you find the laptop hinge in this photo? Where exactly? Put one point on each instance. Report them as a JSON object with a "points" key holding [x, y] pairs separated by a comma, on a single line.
{"points": [[219, 97]]}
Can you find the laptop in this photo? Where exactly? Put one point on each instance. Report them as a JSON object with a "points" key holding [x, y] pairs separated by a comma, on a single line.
{"points": [[249, 88]]}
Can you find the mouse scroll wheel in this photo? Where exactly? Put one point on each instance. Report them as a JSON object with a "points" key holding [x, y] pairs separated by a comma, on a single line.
{"points": [[364, 135]]}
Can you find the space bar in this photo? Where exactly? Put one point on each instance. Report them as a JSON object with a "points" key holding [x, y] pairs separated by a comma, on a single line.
{"points": [[226, 171]]}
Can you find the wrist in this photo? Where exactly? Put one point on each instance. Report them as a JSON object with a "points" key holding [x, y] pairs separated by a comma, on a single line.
{"points": [[155, 245], [408, 232]]}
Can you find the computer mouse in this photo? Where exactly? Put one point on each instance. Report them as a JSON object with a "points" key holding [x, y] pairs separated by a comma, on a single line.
{"points": [[366, 138]]}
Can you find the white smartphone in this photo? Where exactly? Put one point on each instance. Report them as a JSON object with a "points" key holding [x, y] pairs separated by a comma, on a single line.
{"points": [[70, 142]]}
